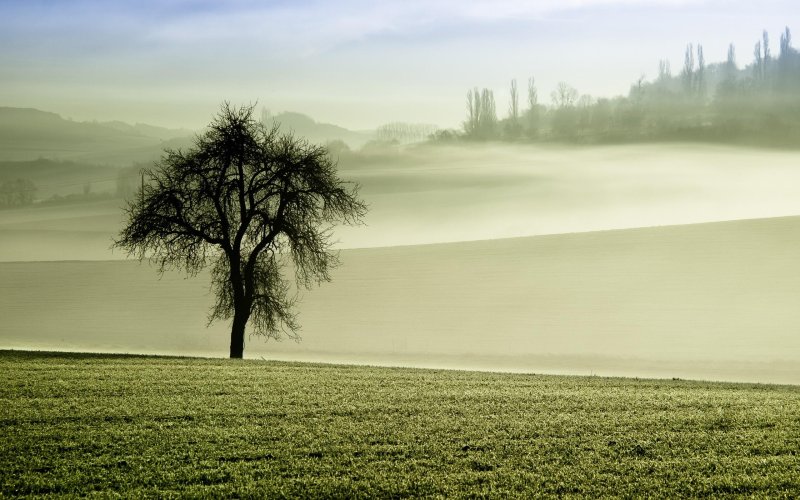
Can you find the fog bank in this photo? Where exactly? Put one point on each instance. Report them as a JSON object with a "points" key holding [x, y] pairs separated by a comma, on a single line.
{"points": [[714, 301], [446, 194]]}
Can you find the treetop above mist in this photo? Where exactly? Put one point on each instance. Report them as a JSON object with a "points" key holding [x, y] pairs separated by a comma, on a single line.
{"points": [[757, 103]]}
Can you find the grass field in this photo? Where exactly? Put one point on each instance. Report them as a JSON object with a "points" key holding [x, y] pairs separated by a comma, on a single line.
{"points": [[75, 424]]}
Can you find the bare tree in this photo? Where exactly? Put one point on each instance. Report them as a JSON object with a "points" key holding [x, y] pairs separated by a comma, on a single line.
{"points": [[488, 110], [700, 75], [762, 56], [664, 70], [513, 105], [245, 200], [788, 64], [687, 75], [533, 96], [564, 95], [729, 71], [786, 43], [481, 114], [758, 62], [532, 114], [473, 111], [512, 126], [730, 62]]}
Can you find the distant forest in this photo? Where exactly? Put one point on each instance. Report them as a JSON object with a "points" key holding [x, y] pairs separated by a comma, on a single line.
{"points": [[754, 103]]}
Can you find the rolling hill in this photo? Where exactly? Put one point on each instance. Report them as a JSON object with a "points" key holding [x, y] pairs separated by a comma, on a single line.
{"points": [[305, 126], [712, 301], [29, 134]]}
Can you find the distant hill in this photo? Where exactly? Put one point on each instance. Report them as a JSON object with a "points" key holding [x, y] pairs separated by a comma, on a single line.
{"points": [[305, 126], [29, 134], [156, 132], [64, 157]]}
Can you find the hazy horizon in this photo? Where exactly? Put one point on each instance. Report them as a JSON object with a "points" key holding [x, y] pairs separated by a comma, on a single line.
{"points": [[355, 64]]}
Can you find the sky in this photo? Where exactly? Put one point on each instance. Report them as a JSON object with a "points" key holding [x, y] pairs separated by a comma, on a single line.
{"points": [[356, 63]]}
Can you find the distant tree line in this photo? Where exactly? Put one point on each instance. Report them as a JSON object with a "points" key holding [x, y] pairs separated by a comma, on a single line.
{"points": [[756, 103], [404, 133]]}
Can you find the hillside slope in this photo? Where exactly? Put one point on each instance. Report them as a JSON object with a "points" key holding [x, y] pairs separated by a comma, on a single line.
{"points": [[715, 300], [29, 134]]}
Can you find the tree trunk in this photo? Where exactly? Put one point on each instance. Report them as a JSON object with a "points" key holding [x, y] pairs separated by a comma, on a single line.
{"points": [[241, 309], [240, 318]]}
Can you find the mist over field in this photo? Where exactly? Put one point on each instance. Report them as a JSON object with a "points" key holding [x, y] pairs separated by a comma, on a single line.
{"points": [[463, 193], [492, 256], [498, 191]]}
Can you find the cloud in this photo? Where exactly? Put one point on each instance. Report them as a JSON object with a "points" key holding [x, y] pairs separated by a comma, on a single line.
{"points": [[314, 26], [283, 28]]}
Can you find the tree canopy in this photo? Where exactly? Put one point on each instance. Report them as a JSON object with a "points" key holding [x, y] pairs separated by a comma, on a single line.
{"points": [[246, 201]]}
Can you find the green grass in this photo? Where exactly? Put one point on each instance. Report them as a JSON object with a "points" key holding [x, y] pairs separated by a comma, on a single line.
{"points": [[78, 424]]}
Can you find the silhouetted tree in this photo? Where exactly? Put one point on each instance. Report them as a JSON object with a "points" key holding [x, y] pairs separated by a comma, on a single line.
{"points": [[564, 95], [245, 200], [762, 55], [788, 63], [584, 115], [533, 95], [564, 117], [758, 61], [481, 114], [786, 43], [687, 75], [700, 76], [488, 114], [532, 113], [787, 87], [337, 148], [730, 61], [513, 104], [473, 112], [727, 85], [512, 128], [664, 70]]}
